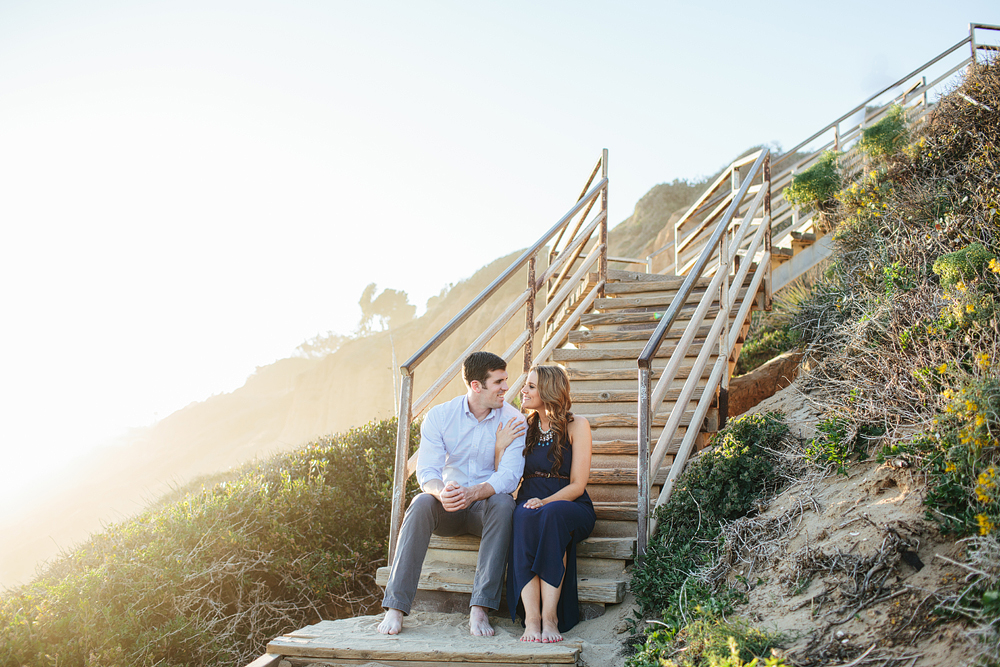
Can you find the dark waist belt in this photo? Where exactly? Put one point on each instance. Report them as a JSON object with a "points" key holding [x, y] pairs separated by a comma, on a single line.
{"points": [[548, 475]]}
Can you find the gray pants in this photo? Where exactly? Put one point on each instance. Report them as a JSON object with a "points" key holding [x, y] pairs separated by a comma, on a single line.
{"points": [[489, 518]]}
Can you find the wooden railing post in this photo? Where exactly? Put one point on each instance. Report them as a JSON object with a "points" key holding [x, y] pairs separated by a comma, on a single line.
{"points": [[602, 275], [642, 472], [724, 303], [399, 468], [529, 315], [767, 232]]}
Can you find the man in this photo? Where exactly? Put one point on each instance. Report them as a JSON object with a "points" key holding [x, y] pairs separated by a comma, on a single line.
{"points": [[462, 492]]}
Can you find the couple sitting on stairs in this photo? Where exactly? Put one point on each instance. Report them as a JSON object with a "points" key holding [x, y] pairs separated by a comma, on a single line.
{"points": [[473, 451]]}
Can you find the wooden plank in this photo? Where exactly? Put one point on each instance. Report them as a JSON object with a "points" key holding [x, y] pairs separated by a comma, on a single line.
{"points": [[296, 661], [613, 420], [620, 476], [609, 303], [386, 648], [622, 275], [440, 577], [650, 317], [622, 548], [623, 511], [585, 336], [617, 396], [673, 283], [603, 354], [604, 374], [615, 447], [631, 447], [267, 660]]}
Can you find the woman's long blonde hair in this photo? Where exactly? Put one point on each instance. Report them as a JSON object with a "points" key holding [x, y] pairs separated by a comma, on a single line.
{"points": [[553, 389]]}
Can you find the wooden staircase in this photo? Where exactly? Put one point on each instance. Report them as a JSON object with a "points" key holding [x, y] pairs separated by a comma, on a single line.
{"points": [[600, 360]]}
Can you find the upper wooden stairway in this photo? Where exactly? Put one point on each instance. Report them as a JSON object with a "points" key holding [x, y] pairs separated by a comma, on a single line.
{"points": [[649, 354]]}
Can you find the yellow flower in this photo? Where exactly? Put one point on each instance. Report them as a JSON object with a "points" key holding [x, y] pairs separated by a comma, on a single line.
{"points": [[960, 287], [985, 525], [980, 420], [942, 368], [983, 360], [969, 308], [950, 467], [994, 265]]}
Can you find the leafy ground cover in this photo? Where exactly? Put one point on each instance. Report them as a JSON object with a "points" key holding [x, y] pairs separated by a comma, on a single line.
{"points": [[745, 464], [211, 577]]}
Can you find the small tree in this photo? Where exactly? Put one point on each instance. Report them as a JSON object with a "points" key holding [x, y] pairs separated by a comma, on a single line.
{"points": [[391, 308]]}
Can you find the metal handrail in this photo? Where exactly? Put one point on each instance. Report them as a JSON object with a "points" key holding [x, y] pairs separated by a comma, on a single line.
{"points": [[565, 261], [761, 167], [970, 39], [497, 283], [871, 98]]}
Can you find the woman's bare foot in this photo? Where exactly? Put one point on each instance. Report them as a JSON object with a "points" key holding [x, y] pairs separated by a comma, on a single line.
{"points": [[479, 622], [550, 631], [392, 623], [532, 630]]}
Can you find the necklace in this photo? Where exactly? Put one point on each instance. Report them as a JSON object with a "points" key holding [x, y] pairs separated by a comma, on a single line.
{"points": [[544, 437]]}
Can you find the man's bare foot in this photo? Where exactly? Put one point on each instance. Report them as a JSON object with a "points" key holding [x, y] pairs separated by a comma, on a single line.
{"points": [[392, 623], [550, 631], [479, 622], [532, 630]]}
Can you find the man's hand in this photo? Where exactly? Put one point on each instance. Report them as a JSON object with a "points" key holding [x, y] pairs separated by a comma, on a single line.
{"points": [[454, 497]]}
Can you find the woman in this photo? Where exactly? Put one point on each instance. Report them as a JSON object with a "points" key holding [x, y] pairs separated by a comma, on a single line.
{"points": [[553, 511]]}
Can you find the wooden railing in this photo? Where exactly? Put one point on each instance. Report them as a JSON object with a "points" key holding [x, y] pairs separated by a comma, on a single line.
{"points": [[729, 273], [553, 293]]}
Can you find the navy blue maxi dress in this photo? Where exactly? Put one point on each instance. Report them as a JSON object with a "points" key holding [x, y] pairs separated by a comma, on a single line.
{"points": [[541, 536]]}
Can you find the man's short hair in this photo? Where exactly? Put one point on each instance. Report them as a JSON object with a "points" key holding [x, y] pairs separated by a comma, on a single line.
{"points": [[479, 365]]}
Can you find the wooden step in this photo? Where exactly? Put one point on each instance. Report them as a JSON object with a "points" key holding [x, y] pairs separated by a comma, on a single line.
{"points": [[616, 395], [780, 255], [802, 240], [667, 349], [622, 548], [647, 317], [671, 284], [613, 303], [621, 275], [632, 374], [630, 447], [580, 337], [621, 476], [354, 641], [436, 576], [626, 420]]}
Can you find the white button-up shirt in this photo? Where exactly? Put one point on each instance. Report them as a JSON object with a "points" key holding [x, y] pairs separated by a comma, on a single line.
{"points": [[457, 447]]}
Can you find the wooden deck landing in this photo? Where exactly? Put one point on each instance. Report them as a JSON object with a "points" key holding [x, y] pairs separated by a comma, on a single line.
{"points": [[427, 640]]}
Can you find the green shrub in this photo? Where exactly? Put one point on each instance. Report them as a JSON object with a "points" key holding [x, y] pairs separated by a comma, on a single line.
{"points": [[887, 136], [816, 186], [723, 484], [213, 576], [766, 345], [963, 265]]}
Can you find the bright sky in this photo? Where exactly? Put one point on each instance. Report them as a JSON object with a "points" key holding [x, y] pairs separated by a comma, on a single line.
{"points": [[188, 190]]}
